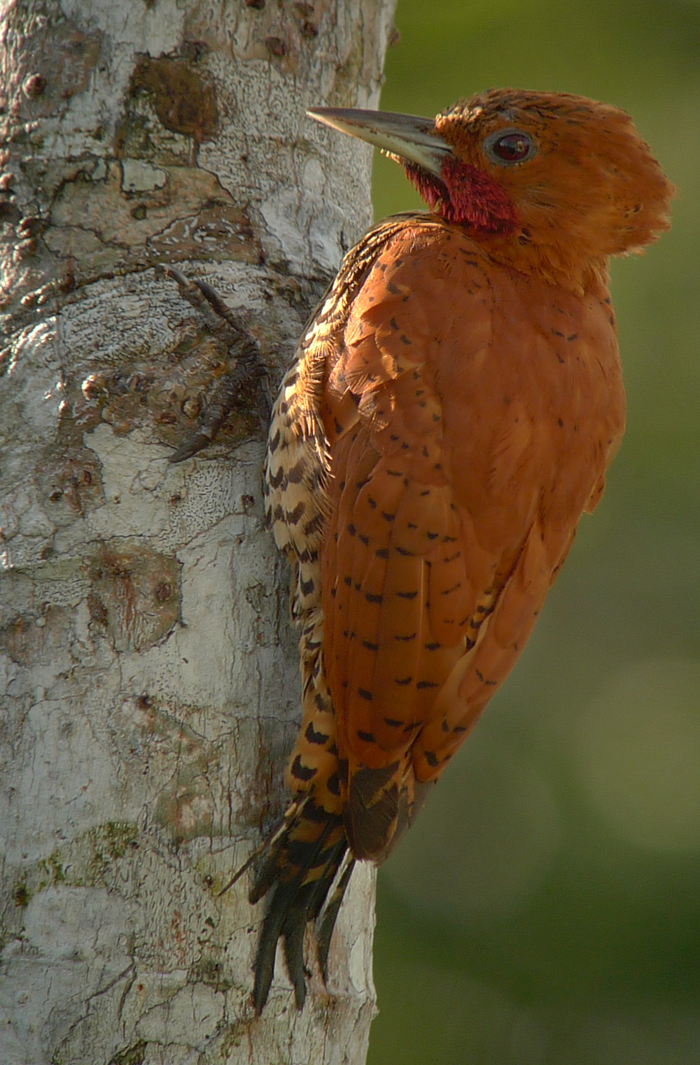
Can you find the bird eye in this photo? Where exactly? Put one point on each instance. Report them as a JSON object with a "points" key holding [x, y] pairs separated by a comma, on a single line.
{"points": [[510, 146]]}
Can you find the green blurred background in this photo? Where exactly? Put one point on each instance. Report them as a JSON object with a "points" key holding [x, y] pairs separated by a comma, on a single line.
{"points": [[546, 908]]}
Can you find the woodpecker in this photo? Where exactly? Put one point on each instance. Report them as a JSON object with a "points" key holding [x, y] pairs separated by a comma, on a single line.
{"points": [[450, 414]]}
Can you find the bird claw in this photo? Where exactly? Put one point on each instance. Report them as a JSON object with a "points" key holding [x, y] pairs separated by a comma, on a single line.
{"points": [[229, 361]]}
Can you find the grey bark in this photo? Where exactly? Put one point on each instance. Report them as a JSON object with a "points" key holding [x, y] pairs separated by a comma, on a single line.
{"points": [[148, 674]]}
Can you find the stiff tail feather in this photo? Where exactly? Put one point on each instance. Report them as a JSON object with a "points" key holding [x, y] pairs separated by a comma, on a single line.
{"points": [[304, 866]]}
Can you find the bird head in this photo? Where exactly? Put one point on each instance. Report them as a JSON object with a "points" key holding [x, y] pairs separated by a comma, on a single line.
{"points": [[548, 182]]}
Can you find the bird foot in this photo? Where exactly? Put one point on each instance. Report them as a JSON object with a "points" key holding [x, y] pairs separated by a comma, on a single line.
{"points": [[225, 372]]}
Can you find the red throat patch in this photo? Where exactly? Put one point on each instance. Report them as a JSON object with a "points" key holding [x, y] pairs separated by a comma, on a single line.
{"points": [[465, 195]]}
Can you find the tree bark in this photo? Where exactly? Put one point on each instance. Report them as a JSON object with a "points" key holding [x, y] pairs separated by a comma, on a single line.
{"points": [[149, 677]]}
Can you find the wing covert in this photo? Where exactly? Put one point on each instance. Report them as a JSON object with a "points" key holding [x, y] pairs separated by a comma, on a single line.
{"points": [[399, 595]]}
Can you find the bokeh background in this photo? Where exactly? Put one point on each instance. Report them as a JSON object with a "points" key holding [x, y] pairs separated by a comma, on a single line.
{"points": [[545, 910]]}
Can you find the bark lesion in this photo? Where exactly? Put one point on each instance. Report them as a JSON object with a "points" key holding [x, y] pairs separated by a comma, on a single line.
{"points": [[135, 595], [208, 382], [183, 100]]}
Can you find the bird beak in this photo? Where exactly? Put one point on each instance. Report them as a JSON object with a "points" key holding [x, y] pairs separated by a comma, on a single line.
{"points": [[410, 138]]}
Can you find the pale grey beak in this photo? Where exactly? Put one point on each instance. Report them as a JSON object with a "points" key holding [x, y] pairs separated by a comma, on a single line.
{"points": [[407, 136]]}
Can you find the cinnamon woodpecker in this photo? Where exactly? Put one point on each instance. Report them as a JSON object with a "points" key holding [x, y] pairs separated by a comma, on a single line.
{"points": [[450, 414]]}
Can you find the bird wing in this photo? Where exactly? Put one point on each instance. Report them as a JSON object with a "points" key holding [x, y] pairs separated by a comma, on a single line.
{"points": [[446, 522]]}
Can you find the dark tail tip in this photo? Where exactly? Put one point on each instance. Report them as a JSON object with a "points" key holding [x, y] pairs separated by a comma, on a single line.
{"points": [[285, 919], [303, 874]]}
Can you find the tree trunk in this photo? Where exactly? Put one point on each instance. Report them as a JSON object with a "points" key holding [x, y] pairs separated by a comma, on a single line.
{"points": [[149, 676]]}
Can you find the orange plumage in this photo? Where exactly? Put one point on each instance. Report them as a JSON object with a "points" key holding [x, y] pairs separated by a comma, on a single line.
{"points": [[450, 414]]}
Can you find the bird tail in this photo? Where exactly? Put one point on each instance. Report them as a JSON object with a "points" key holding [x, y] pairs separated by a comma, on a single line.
{"points": [[305, 866]]}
